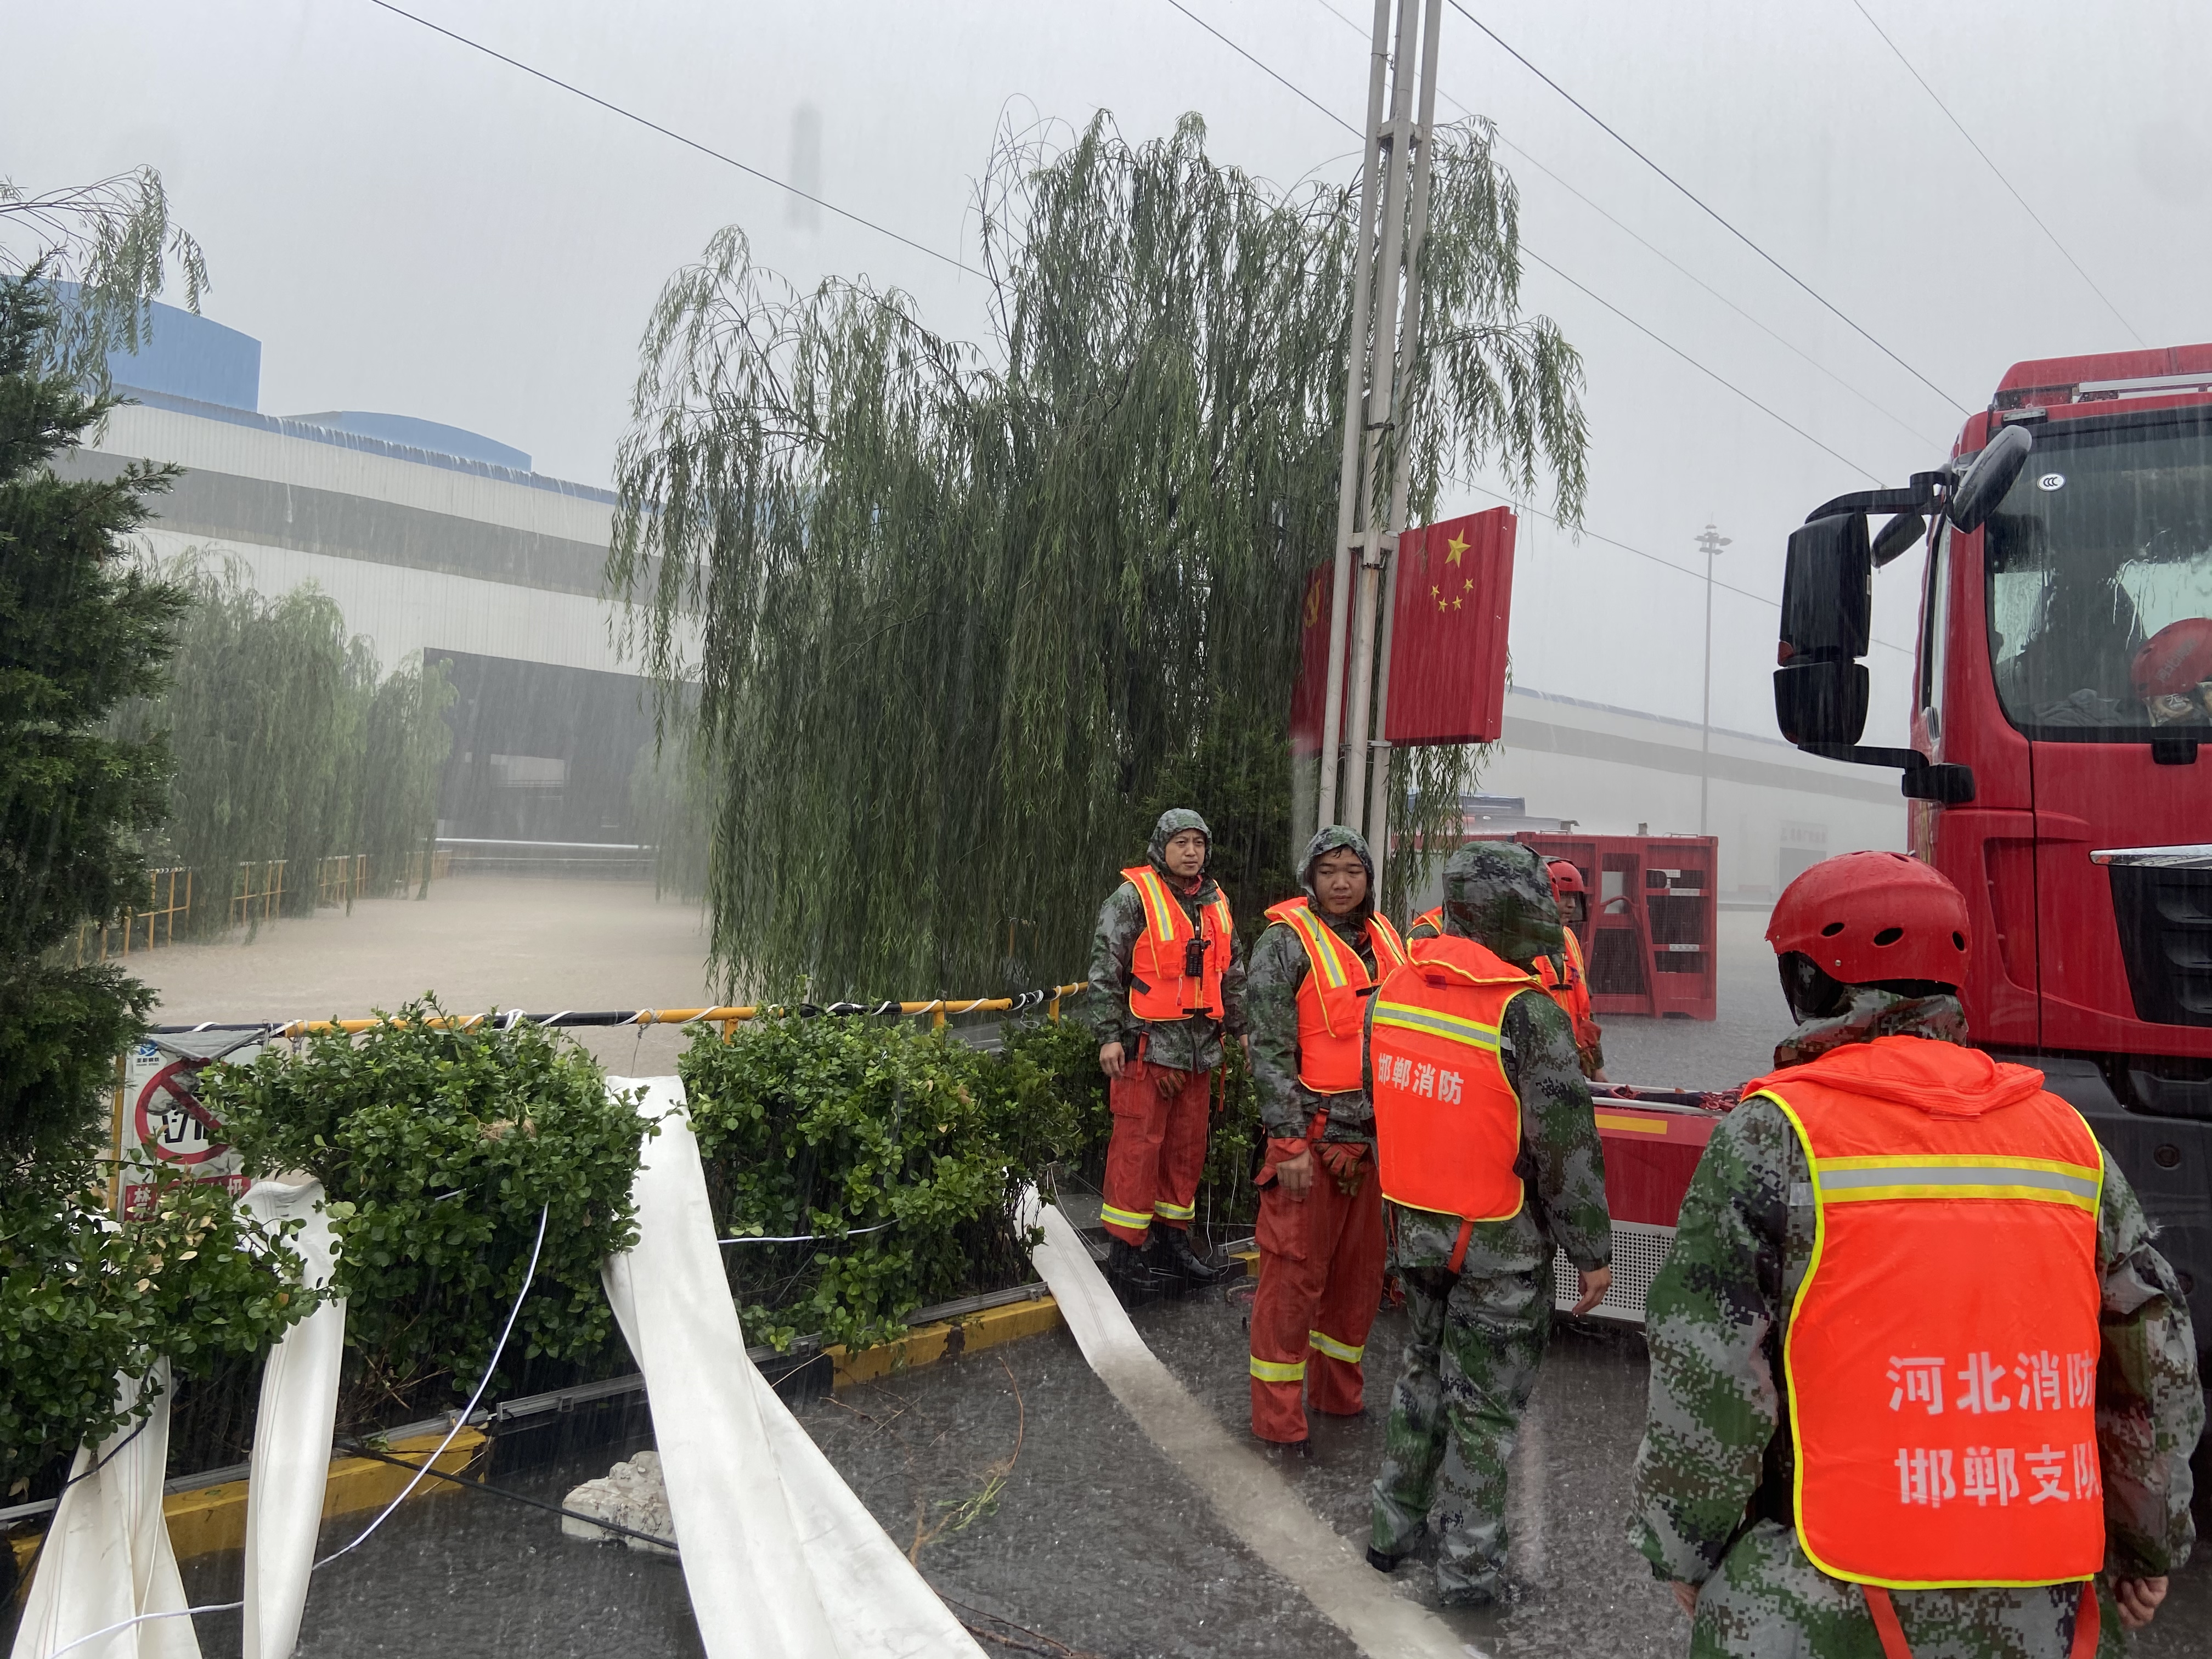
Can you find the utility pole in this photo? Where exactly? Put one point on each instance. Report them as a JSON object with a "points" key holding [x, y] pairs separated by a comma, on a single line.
{"points": [[1378, 385], [1712, 541]]}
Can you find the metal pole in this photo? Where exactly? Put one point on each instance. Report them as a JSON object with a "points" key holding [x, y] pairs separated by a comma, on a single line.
{"points": [[1712, 541], [1378, 800], [1355, 428], [1375, 546]]}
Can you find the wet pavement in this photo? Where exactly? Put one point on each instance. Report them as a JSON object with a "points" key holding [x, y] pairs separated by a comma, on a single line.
{"points": [[1032, 1501]]}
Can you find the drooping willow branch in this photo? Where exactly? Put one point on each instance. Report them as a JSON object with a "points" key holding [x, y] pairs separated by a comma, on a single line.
{"points": [[943, 627]]}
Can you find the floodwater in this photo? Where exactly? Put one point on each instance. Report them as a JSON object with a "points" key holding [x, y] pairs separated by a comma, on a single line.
{"points": [[479, 941]]}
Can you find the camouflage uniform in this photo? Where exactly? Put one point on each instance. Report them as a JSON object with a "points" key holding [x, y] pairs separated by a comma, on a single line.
{"points": [[1713, 1476], [1279, 968], [1476, 1337], [1181, 1045]]}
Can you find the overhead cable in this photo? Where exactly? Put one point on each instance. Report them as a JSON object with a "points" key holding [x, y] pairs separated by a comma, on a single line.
{"points": [[1583, 531], [1678, 351], [670, 132], [1700, 203], [1864, 472], [1994, 172], [1659, 253]]}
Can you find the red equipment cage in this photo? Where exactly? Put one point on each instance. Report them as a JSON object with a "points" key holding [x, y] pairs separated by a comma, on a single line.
{"points": [[1649, 935]]}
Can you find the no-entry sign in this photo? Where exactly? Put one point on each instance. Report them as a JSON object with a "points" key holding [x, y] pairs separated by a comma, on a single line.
{"points": [[161, 1128]]}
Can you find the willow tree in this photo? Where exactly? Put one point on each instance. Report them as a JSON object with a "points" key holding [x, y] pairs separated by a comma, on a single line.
{"points": [[946, 625], [289, 742]]}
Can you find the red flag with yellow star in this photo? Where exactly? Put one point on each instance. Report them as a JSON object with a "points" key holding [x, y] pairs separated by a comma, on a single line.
{"points": [[1448, 641], [1309, 697]]}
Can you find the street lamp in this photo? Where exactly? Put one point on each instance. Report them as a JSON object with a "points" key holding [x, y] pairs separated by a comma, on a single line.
{"points": [[1712, 541]]}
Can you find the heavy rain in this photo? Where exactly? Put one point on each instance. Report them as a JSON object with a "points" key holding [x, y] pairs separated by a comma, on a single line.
{"points": [[1175, 828]]}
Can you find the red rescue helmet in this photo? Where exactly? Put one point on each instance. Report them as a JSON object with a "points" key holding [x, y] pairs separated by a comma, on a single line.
{"points": [[2175, 660], [1865, 917], [1565, 878]]}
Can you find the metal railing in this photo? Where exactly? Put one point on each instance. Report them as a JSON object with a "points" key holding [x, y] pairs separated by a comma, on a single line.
{"points": [[98, 941], [728, 1018]]}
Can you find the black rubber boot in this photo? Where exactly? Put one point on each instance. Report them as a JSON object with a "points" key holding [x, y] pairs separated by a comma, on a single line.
{"points": [[1171, 1246], [1130, 1272], [1381, 1562]]}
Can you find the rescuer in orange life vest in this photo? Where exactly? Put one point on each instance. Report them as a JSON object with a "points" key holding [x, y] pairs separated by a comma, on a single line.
{"points": [[1166, 983], [1319, 1231], [1570, 988], [1919, 1377]]}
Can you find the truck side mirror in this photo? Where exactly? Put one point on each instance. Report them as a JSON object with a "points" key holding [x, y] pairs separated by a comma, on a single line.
{"points": [[1898, 534], [1827, 589], [1990, 477], [1820, 703]]}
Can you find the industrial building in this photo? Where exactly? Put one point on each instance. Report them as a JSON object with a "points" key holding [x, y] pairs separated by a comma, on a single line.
{"points": [[431, 539], [437, 540]]}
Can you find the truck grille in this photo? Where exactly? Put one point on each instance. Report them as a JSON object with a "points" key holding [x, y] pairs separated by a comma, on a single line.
{"points": [[2165, 918]]}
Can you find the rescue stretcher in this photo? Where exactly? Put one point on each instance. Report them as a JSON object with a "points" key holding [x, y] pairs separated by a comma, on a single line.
{"points": [[1653, 1139]]}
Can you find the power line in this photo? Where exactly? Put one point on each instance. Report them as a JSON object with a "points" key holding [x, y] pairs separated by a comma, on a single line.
{"points": [[1279, 80], [668, 132], [1993, 168], [1584, 531], [1898, 422], [1863, 472], [1660, 254], [1546, 264], [1700, 205]]}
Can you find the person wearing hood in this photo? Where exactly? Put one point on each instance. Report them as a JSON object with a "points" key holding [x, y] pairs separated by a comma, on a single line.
{"points": [[1920, 1383], [1319, 1231], [1488, 1153], [1166, 982], [1570, 986]]}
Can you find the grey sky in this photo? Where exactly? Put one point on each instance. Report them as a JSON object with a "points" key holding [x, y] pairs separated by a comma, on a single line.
{"points": [[408, 226]]}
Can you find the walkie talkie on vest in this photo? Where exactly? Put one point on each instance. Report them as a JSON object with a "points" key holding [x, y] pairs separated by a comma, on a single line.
{"points": [[1193, 959]]}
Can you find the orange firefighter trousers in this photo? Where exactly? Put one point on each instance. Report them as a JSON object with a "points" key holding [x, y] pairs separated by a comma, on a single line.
{"points": [[1321, 1281], [1157, 1152]]}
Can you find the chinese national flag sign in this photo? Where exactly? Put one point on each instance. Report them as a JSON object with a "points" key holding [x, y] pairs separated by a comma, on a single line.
{"points": [[1448, 644], [1306, 701]]}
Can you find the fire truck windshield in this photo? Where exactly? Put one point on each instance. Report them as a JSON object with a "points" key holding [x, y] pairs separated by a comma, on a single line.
{"points": [[2104, 542]]}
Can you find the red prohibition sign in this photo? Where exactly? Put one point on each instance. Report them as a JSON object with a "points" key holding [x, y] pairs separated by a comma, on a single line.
{"points": [[171, 1137]]}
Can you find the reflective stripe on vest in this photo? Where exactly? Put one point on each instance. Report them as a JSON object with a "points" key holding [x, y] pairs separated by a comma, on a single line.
{"points": [[1430, 919], [1332, 998], [1941, 1357], [1159, 989], [1447, 1122]]}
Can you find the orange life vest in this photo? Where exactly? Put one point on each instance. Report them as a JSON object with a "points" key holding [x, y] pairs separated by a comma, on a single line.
{"points": [[1333, 996], [1572, 993], [1159, 989], [1447, 1122], [1431, 918], [1941, 1358]]}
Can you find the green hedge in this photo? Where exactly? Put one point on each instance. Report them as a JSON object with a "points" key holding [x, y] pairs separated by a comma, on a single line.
{"points": [[190, 1277], [438, 1147]]}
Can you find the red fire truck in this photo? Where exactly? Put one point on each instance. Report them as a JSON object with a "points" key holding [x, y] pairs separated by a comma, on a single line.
{"points": [[2062, 692]]}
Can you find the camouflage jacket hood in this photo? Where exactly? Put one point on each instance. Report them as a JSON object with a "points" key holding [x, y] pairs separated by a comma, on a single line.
{"points": [[1497, 893], [1336, 837], [1174, 822], [1874, 1012]]}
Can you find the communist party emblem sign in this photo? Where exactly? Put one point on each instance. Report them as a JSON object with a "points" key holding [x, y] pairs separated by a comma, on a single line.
{"points": [[1449, 629]]}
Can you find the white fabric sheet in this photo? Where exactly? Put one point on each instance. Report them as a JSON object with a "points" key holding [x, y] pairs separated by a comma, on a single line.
{"points": [[292, 1434], [781, 1560], [106, 1557]]}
